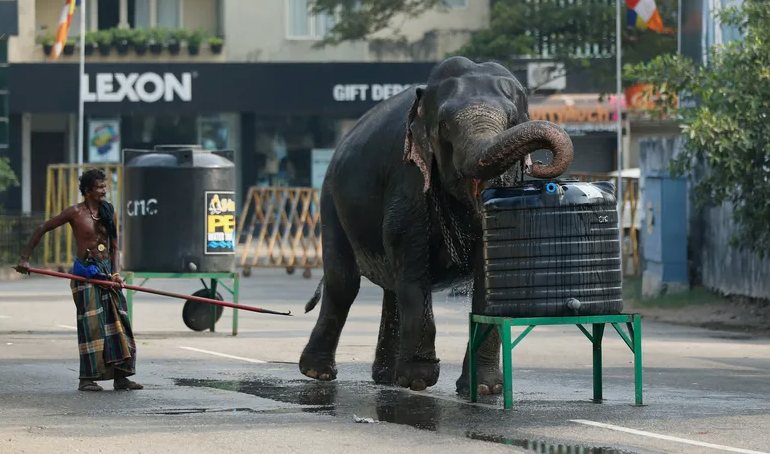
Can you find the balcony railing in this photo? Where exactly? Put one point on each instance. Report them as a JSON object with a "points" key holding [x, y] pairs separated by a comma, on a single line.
{"points": [[159, 43]]}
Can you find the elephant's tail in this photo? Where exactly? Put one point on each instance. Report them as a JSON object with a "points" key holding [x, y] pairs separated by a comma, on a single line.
{"points": [[316, 296]]}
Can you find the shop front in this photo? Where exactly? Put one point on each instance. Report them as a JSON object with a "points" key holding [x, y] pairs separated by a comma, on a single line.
{"points": [[282, 119]]}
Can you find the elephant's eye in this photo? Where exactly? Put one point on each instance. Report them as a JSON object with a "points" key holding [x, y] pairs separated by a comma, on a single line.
{"points": [[443, 127]]}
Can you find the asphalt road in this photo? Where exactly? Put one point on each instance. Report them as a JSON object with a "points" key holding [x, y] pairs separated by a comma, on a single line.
{"points": [[704, 391]]}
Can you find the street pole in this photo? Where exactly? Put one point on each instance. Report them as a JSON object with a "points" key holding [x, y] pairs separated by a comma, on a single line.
{"points": [[619, 94], [4, 95], [81, 73]]}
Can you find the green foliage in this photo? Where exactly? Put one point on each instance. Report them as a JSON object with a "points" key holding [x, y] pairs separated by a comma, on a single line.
{"points": [[580, 35], [727, 132], [7, 177]]}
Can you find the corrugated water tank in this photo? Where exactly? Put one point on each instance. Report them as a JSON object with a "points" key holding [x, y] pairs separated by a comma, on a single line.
{"points": [[552, 249]]}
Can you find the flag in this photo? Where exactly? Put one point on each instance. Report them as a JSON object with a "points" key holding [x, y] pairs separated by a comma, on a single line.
{"points": [[644, 14], [64, 27]]}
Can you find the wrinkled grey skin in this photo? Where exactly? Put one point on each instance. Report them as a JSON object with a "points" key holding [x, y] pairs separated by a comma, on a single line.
{"points": [[400, 206]]}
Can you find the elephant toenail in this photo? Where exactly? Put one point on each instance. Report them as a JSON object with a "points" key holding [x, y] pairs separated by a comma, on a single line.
{"points": [[310, 373], [324, 377], [498, 388], [403, 382], [418, 385], [483, 390]]}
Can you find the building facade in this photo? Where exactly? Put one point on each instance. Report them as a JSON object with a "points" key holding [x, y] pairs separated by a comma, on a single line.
{"points": [[247, 77]]}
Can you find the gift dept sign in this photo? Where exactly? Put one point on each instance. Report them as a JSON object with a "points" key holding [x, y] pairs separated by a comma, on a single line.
{"points": [[366, 92], [147, 87]]}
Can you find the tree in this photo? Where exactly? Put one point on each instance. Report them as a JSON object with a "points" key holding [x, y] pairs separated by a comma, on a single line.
{"points": [[7, 177], [727, 132], [580, 35]]}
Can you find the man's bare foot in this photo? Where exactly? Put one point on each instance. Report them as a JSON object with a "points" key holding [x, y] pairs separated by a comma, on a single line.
{"points": [[88, 385], [125, 383]]}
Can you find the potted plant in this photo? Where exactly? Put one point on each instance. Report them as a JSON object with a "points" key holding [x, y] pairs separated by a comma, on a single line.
{"points": [[139, 40], [156, 40], [69, 47], [176, 38], [91, 43], [194, 41], [47, 42], [216, 44], [104, 41], [120, 39]]}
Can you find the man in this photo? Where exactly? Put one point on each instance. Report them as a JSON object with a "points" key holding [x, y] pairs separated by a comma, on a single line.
{"points": [[105, 339]]}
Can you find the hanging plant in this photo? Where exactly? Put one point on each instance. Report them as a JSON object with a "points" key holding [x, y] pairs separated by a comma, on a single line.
{"points": [[91, 43], [177, 37], [121, 39], [69, 47], [194, 41]]}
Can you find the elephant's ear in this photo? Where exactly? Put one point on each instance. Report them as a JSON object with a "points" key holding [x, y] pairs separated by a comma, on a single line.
{"points": [[417, 146]]}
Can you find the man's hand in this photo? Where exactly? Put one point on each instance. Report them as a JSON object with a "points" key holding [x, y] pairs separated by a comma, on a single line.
{"points": [[23, 266], [117, 281]]}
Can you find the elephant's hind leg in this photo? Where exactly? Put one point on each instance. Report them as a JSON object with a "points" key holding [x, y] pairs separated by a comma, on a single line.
{"points": [[383, 368], [342, 281]]}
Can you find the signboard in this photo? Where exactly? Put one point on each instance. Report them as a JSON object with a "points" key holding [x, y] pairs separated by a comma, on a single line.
{"points": [[220, 222], [642, 97], [104, 140]]}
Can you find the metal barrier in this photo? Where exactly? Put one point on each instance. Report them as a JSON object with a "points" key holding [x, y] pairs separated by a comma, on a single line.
{"points": [[631, 223], [284, 229], [62, 190]]}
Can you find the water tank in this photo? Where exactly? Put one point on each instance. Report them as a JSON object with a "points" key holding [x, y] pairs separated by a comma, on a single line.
{"points": [[552, 249], [178, 210]]}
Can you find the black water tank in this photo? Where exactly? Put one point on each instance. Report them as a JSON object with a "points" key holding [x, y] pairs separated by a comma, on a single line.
{"points": [[178, 210], [552, 249]]}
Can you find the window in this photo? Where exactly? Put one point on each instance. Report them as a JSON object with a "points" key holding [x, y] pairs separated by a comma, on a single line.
{"points": [[303, 24], [455, 4], [168, 13], [74, 31]]}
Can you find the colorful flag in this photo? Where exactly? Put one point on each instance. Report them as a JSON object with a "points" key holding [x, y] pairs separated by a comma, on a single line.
{"points": [[64, 27], [644, 14]]}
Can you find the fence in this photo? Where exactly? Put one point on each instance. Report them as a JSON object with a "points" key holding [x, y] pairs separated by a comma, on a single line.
{"points": [[284, 229], [716, 265], [62, 190]]}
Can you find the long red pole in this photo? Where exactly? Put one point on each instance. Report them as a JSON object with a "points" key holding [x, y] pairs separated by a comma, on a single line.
{"points": [[157, 292]]}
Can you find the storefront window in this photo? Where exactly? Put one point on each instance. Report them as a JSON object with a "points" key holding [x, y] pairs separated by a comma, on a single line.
{"points": [[284, 148], [147, 131]]}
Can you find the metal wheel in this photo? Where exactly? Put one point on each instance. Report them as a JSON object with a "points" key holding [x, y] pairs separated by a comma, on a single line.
{"points": [[307, 274], [197, 315], [246, 271], [290, 270]]}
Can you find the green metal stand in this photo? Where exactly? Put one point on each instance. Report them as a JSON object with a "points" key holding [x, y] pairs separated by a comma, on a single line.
{"points": [[216, 279], [503, 324]]}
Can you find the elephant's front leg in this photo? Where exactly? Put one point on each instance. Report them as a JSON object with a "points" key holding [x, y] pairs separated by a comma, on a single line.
{"points": [[490, 376], [406, 236], [417, 366], [384, 366]]}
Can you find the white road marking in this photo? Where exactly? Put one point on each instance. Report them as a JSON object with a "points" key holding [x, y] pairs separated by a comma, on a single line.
{"points": [[224, 355], [665, 437], [68, 327]]}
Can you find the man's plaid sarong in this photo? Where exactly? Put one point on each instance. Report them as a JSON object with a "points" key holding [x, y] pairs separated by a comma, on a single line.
{"points": [[105, 339]]}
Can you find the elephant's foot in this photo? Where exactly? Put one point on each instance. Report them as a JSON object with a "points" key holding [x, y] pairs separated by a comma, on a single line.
{"points": [[318, 366], [490, 381], [417, 374], [383, 375]]}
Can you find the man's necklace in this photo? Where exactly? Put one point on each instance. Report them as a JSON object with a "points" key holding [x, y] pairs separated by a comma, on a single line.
{"points": [[95, 218]]}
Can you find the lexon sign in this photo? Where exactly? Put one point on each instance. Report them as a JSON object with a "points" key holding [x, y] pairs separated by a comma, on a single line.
{"points": [[138, 87]]}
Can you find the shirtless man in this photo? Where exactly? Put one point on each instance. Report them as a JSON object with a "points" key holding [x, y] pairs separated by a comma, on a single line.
{"points": [[100, 308]]}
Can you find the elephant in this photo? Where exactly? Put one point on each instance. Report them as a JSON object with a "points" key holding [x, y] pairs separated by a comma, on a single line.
{"points": [[400, 206]]}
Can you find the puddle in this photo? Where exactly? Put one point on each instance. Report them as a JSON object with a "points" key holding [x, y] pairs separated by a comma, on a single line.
{"points": [[391, 405]]}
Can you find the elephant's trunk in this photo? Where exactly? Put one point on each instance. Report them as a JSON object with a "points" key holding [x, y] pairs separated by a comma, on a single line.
{"points": [[494, 155]]}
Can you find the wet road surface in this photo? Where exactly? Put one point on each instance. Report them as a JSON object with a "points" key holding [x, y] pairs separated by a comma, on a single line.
{"points": [[704, 391]]}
